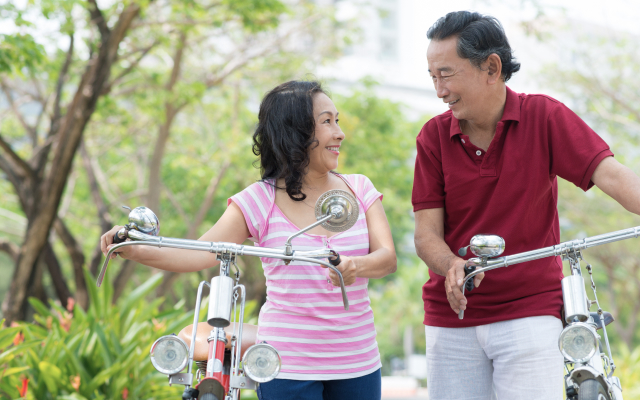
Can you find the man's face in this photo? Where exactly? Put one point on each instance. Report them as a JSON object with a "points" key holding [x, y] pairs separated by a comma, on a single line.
{"points": [[458, 83]]}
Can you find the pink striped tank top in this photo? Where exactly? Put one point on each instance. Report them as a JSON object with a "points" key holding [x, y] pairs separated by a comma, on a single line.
{"points": [[303, 317]]}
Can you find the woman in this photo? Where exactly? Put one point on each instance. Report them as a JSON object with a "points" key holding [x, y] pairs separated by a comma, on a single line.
{"points": [[327, 353]]}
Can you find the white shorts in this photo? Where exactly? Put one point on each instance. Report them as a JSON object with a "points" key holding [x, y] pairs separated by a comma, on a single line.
{"points": [[509, 360]]}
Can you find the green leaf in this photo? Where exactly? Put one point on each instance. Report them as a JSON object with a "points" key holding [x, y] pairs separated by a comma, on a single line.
{"points": [[19, 51], [51, 376], [140, 292], [12, 371]]}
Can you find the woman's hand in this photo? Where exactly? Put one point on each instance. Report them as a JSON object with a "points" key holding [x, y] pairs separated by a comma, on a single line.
{"points": [[106, 243], [347, 268]]}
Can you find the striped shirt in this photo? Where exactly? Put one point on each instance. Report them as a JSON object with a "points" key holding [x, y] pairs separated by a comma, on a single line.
{"points": [[303, 317]]}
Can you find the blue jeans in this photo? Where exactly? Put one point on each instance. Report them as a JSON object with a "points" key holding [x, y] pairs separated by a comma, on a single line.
{"points": [[363, 388]]}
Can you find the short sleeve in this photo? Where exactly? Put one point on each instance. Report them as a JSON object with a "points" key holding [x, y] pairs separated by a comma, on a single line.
{"points": [[428, 178], [575, 149], [364, 189], [255, 202]]}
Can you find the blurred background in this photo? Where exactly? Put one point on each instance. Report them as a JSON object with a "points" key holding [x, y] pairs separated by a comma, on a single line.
{"points": [[154, 103]]}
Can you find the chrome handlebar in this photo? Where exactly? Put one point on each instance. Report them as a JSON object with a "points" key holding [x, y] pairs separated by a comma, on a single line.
{"points": [[562, 249], [142, 239]]}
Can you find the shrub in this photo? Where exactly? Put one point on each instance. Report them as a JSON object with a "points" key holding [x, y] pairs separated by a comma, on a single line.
{"points": [[102, 353]]}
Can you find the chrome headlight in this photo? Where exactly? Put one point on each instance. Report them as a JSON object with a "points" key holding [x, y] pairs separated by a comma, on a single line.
{"points": [[261, 362], [169, 354], [578, 342]]}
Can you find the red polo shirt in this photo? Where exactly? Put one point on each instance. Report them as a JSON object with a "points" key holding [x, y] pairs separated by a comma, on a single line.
{"points": [[511, 191]]}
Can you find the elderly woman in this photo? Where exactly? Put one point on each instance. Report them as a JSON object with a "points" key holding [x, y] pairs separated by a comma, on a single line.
{"points": [[327, 353]]}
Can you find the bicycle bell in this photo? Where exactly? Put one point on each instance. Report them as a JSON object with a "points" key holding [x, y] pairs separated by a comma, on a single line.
{"points": [[144, 220], [484, 246], [342, 205]]}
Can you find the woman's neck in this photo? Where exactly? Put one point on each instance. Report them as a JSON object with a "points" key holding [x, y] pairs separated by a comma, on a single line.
{"points": [[316, 181]]}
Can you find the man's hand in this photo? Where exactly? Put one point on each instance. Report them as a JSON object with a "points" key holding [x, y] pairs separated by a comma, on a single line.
{"points": [[453, 285]]}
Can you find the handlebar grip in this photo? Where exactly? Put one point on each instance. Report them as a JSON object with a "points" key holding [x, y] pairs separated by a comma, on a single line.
{"points": [[118, 239], [467, 270], [335, 261]]}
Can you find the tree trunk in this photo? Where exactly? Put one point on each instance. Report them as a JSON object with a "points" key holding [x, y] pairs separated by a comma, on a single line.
{"points": [[70, 132], [77, 261], [103, 211], [59, 283], [123, 277]]}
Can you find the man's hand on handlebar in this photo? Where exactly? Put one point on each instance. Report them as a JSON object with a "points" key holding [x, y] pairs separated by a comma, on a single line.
{"points": [[348, 269], [453, 285]]}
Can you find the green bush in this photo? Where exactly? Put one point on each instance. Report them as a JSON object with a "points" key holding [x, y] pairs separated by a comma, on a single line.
{"points": [[102, 353]]}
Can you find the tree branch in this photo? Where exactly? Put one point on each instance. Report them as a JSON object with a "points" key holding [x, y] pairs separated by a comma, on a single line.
{"points": [[176, 205], [98, 19], [55, 119], [10, 248], [103, 212], [30, 129], [24, 168], [230, 67], [77, 260], [131, 67], [208, 199], [57, 277]]}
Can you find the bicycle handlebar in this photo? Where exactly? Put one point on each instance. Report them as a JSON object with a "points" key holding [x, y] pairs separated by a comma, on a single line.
{"points": [[141, 239], [562, 249]]}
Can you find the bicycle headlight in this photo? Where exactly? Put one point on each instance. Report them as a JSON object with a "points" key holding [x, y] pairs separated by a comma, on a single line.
{"points": [[261, 362], [578, 342], [169, 354]]}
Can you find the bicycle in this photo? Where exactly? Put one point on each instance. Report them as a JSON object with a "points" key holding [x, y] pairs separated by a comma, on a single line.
{"points": [[588, 369], [228, 362]]}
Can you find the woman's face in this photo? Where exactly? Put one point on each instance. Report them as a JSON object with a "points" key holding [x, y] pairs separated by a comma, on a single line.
{"points": [[324, 157]]}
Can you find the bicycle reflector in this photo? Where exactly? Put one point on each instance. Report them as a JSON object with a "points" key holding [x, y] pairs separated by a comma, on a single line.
{"points": [[261, 362], [578, 342], [169, 354]]}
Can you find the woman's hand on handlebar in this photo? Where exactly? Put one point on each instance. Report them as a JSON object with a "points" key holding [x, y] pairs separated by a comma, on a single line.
{"points": [[106, 242], [347, 268]]}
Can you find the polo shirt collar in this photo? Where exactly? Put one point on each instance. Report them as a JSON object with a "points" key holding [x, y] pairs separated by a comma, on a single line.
{"points": [[511, 113]]}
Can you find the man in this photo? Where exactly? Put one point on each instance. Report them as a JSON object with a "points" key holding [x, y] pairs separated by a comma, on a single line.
{"points": [[489, 165]]}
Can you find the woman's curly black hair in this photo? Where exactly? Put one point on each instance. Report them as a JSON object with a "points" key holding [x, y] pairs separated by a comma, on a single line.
{"points": [[285, 134]]}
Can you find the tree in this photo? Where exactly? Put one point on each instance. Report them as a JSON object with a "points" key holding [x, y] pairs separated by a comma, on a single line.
{"points": [[40, 179], [180, 64]]}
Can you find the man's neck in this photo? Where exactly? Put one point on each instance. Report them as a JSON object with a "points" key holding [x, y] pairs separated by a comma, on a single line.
{"points": [[482, 130]]}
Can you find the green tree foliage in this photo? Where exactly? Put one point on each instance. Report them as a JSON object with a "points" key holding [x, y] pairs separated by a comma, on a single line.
{"points": [[380, 143], [598, 78], [173, 124]]}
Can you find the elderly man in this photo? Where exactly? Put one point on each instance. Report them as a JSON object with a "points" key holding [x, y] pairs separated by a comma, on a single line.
{"points": [[490, 165]]}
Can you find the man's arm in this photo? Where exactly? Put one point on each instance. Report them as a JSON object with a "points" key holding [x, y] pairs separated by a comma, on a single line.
{"points": [[619, 182], [432, 249]]}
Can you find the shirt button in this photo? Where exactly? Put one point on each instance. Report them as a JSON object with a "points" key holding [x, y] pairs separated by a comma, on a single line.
{"points": [[478, 153], [463, 141]]}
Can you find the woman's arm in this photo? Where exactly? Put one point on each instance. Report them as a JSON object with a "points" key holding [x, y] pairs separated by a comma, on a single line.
{"points": [[231, 227], [381, 260]]}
